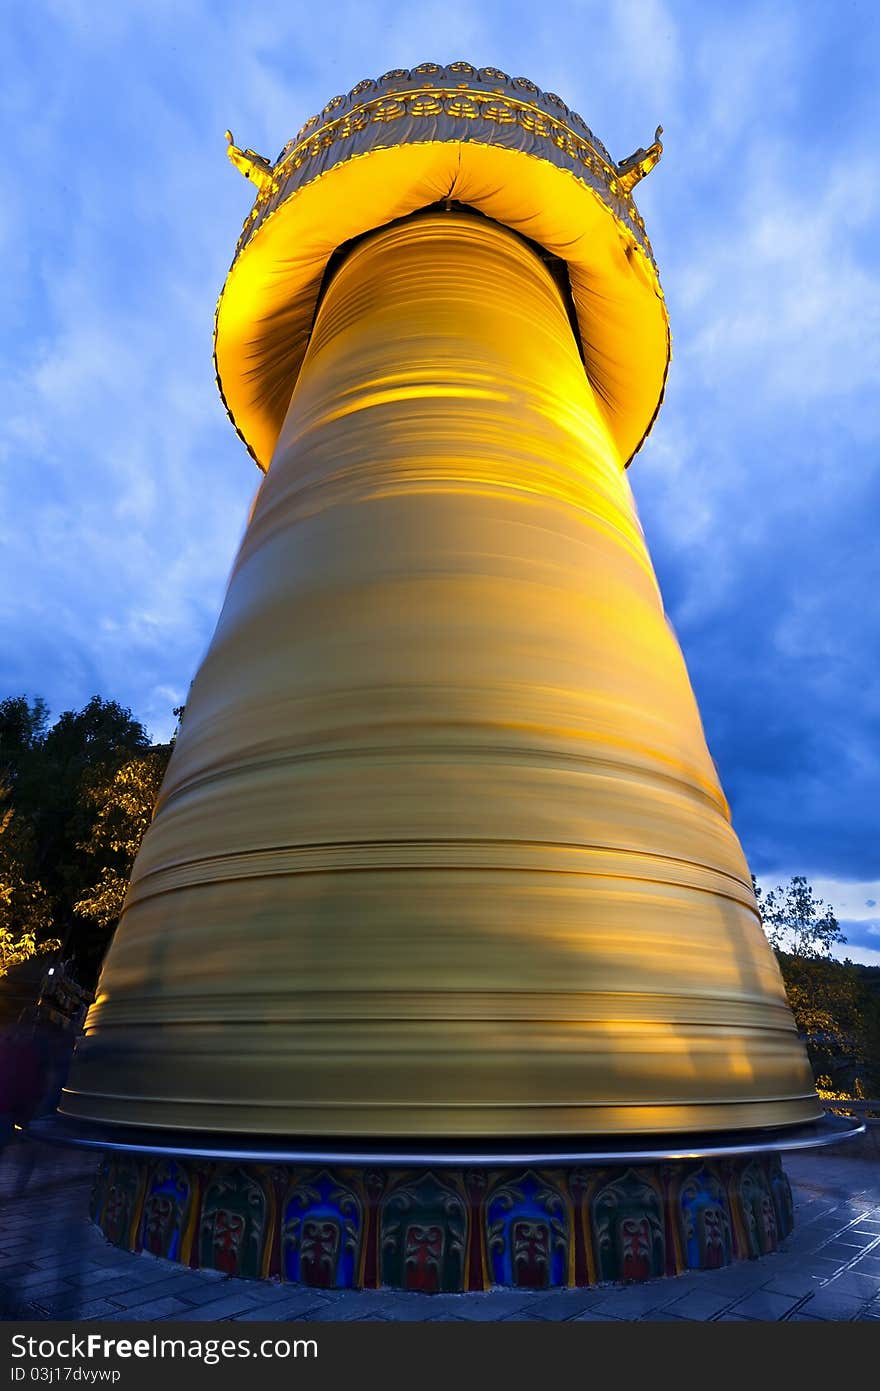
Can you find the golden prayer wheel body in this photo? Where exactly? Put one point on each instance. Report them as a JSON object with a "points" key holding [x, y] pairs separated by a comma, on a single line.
{"points": [[441, 851]]}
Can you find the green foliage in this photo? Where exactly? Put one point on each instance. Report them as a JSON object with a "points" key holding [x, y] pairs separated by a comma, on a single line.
{"points": [[16, 953], [24, 904], [830, 1008], [25, 914], [836, 1004], [71, 819], [122, 800]]}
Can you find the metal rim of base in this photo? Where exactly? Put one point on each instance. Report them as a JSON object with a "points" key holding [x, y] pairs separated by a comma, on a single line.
{"points": [[57, 1129]]}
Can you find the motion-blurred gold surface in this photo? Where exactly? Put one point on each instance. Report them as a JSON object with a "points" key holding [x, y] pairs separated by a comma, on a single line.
{"points": [[441, 850]]}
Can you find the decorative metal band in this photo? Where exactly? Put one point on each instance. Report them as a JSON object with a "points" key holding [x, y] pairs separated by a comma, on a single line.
{"points": [[829, 1130], [436, 104], [486, 855], [466, 1229]]}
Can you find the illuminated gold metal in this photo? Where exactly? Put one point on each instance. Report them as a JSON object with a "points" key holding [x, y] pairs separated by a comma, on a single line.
{"points": [[252, 165], [414, 138], [633, 169], [441, 851]]}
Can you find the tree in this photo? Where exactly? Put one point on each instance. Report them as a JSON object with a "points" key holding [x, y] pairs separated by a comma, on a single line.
{"points": [[828, 1001], [25, 914], [834, 1008], [53, 783], [15, 952], [22, 728], [51, 792], [24, 904], [122, 800], [797, 923]]}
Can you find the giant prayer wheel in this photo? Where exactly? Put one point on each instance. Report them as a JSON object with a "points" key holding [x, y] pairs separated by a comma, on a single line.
{"points": [[441, 853]]}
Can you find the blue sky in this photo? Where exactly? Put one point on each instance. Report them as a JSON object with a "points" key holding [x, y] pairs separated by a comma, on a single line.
{"points": [[123, 489]]}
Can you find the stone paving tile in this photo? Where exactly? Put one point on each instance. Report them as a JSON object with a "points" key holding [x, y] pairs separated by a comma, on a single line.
{"points": [[11, 1274], [848, 1244], [698, 1305], [868, 1265], [178, 1285], [144, 1281], [395, 1310], [300, 1306], [821, 1268], [216, 1309], [795, 1283], [156, 1309], [864, 1287], [49, 1287], [525, 1316], [345, 1311], [830, 1306], [841, 1260], [763, 1304], [200, 1295], [123, 1262], [635, 1300], [474, 1308], [111, 1276], [563, 1304], [72, 1269], [144, 1267], [735, 1281], [91, 1309], [268, 1291]]}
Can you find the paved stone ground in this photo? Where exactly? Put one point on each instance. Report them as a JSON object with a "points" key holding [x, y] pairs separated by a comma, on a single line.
{"points": [[55, 1265]]}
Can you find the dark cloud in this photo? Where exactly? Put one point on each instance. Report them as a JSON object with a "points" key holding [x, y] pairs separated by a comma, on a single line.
{"points": [[759, 489], [861, 933]]}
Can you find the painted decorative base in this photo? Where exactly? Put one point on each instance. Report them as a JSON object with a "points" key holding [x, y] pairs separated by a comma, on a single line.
{"points": [[442, 1228]]}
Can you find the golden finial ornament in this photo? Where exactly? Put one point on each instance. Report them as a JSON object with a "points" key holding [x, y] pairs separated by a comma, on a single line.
{"points": [[634, 168], [254, 167]]}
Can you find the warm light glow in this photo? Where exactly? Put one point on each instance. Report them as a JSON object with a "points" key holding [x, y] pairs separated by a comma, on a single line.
{"points": [[441, 849]]}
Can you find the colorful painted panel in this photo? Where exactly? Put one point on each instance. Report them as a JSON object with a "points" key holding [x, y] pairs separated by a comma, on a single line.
{"points": [[628, 1229], [321, 1232], [529, 1232], [705, 1221], [120, 1201], [232, 1230], [780, 1190], [758, 1210], [423, 1232], [166, 1210], [453, 1229]]}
